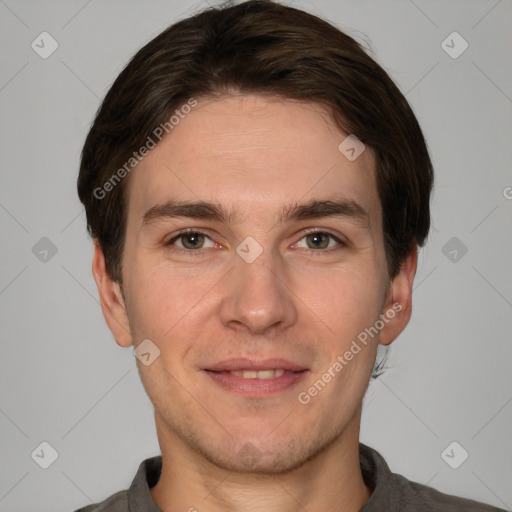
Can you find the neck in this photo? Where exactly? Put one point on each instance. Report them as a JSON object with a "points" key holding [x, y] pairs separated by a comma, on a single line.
{"points": [[329, 480]]}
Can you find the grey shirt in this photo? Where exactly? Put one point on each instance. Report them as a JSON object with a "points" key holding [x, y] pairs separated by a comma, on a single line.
{"points": [[390, 492]]}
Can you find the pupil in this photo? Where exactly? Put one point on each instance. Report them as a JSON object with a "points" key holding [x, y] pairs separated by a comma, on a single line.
{"points": [[317, 239], [193, 239]]}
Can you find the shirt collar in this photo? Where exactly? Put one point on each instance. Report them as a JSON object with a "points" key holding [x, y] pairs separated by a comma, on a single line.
{"points": [[139, 496], [379, 478]]}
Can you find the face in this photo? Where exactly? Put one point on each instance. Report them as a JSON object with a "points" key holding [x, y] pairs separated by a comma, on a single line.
{"points": [[285, 262]]}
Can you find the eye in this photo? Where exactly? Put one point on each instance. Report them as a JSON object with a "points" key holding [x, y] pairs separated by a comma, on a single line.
{"points": [[190, 240], [319, 240]]}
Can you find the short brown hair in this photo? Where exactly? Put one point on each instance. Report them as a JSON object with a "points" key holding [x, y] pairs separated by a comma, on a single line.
{"points": [[260, 47]]}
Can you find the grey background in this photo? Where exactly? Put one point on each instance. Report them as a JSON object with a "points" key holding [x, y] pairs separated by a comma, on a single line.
{"points": [[66, 382]]}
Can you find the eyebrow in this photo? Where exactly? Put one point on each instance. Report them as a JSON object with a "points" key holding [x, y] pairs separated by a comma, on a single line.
{"points": [[314, 209]]}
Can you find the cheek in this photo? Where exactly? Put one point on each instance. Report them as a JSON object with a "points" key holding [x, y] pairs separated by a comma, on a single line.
{"points": [[349, 306], [165, 302], [346, 301]]}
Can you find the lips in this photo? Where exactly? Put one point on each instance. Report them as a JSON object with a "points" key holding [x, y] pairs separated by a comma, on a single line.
{"points": [[252, 365], [253, 378]]}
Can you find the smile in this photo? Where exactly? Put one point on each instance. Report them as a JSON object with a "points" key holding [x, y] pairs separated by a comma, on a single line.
{"points": [[256, 383], [259, 374]]}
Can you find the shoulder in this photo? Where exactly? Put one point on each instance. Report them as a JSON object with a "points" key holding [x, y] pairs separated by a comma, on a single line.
{"points": [[430, 499], [426, 499], [138, 496], [118, 502], [392, 492]]}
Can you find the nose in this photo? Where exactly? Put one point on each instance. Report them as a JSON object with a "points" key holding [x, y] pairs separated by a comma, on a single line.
{"points": [[257, 297]]}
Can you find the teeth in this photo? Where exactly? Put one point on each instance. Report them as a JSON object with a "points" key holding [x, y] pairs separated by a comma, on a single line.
{"points": [[262, 374]]}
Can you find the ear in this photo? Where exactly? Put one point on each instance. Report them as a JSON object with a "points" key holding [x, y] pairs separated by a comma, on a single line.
{"points": [[111, 299], [398, 305]]}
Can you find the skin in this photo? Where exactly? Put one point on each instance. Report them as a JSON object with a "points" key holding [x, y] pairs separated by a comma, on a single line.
{"points": [[253, 154]]}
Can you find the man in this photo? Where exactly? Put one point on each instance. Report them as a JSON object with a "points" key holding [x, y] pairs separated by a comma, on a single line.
{"points": [[257, 187]]}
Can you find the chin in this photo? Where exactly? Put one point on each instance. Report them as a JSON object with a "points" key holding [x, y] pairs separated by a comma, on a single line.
{"points": [[262, 454]]}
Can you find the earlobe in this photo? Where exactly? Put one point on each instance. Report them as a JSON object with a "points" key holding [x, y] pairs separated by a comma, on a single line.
{"points": [[111, 299], [398, 307]]}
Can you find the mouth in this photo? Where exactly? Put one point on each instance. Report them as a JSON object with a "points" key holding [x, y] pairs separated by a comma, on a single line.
{"points": [[251, 378], [259, 374]]}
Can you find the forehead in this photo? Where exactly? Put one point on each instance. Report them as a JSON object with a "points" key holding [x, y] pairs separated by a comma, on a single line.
{"points": [[252, 153]]}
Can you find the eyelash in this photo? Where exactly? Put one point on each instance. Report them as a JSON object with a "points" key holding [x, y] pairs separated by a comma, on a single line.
{"points": [[201, 252]]}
